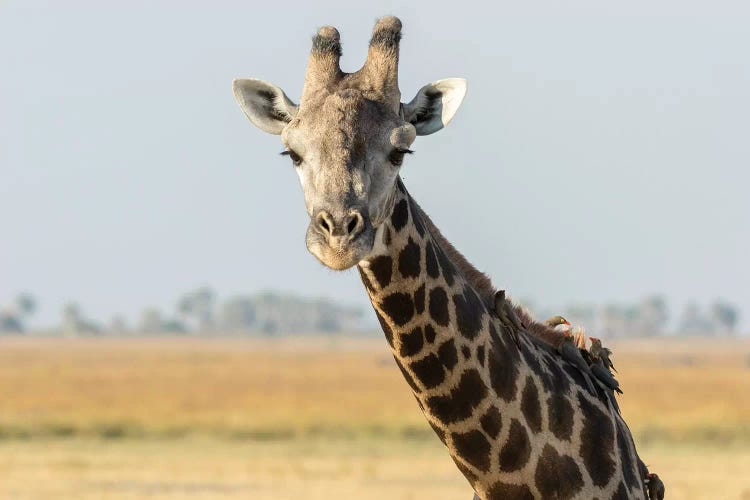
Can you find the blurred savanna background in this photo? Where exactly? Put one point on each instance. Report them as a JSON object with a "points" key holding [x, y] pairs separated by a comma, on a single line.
{"points": [[165, 334]]}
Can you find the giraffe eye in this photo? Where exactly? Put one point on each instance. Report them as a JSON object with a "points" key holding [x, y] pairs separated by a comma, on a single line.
{"points": [[296, 159], [397, 156]]}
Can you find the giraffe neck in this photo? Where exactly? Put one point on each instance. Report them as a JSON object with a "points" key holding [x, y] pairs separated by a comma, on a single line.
{"points": [[440, 329], [433, 317], [489, 400]]}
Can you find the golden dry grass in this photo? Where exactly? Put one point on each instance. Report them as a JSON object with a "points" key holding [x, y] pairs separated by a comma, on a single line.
{"points": [[309, 469], [686, 390], [673, 389], [172, 386], [317, 418]]}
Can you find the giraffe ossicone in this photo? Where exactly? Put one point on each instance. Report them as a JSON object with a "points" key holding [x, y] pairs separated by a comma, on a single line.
{"points": [[518, 419]]}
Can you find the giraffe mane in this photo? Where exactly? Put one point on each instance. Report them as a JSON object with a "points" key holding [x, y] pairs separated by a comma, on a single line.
{"points": [[482, 284], [536, 328], [478, 280]]}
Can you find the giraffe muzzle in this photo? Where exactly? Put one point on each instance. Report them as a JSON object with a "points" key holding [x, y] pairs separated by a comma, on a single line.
{"points": [[340, 239]]}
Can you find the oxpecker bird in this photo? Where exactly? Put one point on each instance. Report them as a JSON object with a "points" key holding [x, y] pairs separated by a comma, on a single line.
{"points": [[599, 366], [655, 487], [559, 323], [504, 311], [599, 351], [562, 325], [568, 349]]}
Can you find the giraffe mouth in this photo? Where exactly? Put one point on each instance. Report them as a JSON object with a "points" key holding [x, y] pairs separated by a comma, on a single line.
{"points": [[340, 254]]}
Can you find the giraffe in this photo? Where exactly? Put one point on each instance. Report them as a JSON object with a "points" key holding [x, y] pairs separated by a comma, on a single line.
{"points": [[516, 418]]}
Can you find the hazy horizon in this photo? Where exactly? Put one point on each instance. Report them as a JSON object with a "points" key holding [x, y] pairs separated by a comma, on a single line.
{"points": [[601, 154]]}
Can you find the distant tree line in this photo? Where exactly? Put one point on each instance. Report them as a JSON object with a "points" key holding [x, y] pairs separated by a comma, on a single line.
{"points": [[13, 316], [199, 312], [651, 317]]}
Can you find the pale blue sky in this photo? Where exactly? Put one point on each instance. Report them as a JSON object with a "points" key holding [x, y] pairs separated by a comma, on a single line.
{"points": [[602, 152]]}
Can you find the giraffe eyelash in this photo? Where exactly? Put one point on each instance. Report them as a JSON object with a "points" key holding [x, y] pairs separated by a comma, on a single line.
{"points": [[397, 156], [296, 159]]}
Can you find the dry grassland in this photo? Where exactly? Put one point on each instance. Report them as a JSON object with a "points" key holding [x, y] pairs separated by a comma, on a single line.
{"points": [[316, 418]]}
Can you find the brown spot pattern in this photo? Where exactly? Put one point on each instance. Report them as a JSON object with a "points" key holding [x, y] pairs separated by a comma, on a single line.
{"points": [[419, 297], [446, 266], [461, 401], [399, 306], [480, 355], [530, 406], [382, 268], [429, 333], [560, 416], [597, 441], [409, 260], [506, 491], [469, 313], [503, 374], [400, 215], [429, 370], [439, 306], [492, 422], [411, 343], [557, 476], [517, 449], [473, 447], [447, 354], [431, 264]]}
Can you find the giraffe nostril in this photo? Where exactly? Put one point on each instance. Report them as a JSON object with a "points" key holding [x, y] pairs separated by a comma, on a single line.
{"points": [[354, 225], [346, 227], [325, 225]]}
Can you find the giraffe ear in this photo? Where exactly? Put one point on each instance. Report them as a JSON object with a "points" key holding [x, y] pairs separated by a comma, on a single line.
{"points": [[435, 105], [265, 104]]}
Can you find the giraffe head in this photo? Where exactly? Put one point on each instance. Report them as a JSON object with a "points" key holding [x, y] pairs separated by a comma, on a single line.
{"points": [[348, 136]]}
